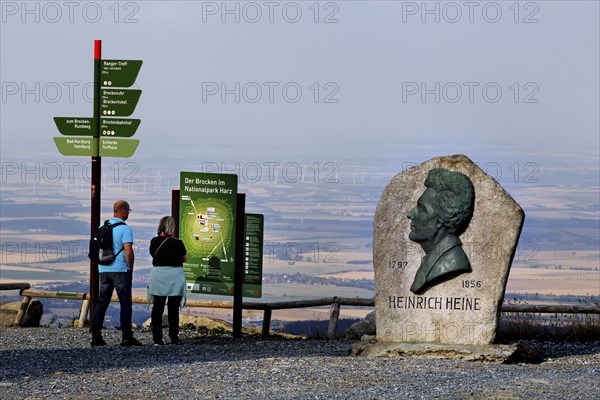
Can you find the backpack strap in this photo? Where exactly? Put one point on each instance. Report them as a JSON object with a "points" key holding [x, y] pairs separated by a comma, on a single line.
{"points": [[108, 224], [111, 226]]}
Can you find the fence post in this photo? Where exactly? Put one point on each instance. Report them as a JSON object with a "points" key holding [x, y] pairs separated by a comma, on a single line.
{"points": [[333, 319], [22, 310], [266, 325], [85, 306]]}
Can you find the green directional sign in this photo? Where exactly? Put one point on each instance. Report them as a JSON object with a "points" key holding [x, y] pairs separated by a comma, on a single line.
{"points": [[118, 127], [118, 102], [119, 73], [78, 126], [76, 146], [100, 135], [117, 147]]}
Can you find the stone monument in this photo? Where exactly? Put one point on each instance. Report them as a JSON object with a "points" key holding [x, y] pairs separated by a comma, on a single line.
{"points": [[445, 234]]}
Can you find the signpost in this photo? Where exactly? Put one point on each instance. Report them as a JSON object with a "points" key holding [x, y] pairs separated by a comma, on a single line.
{"points": [[96, 136], [111, 99]]}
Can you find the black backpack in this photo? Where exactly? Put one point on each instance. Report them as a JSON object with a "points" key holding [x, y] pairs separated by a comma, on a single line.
{"points": [[101, 244]]}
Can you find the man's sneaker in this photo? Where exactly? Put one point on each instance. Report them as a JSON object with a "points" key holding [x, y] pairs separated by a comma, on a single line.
{"points": [[130, 342], [159, 343], [97, 342]]}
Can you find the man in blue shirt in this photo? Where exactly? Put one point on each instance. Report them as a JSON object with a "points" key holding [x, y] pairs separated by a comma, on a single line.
{"points": [[117, 275]]}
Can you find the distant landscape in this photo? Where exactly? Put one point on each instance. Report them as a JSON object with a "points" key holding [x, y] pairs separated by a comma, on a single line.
{"points": [[318, 225]]}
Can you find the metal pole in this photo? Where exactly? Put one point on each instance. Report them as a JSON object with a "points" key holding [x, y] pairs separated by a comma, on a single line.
{"points": [[238, 275], [96, 177], [175, 209]]}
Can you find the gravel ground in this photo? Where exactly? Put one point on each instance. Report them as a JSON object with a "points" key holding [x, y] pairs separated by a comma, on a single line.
{"points": [[58, 363]]}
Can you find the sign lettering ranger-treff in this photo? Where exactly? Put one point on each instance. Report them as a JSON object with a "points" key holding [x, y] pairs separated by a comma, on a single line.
{"points": [[119, 73]]}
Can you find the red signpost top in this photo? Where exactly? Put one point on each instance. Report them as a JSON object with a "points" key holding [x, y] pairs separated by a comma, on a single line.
{"points": [[97, 49]]}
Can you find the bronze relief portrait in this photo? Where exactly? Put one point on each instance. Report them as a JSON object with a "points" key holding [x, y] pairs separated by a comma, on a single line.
{"points": [[442, 214]]}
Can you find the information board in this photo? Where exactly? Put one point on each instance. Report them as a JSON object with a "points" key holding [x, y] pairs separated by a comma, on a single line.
{"points": [[207, 224], [253, 255]]}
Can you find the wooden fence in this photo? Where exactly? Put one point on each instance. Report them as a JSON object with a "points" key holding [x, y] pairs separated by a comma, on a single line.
{"points": [[334, 302]]}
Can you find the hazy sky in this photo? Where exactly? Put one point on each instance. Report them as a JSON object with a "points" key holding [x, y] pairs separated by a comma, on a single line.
{"points": [[311, 77]]}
